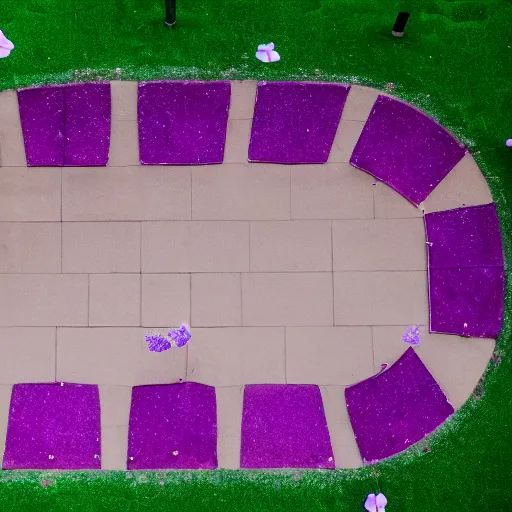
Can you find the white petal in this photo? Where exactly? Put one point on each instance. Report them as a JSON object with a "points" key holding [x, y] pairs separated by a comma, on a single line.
{"points": [[381, 502], [4, 52], [275, 57], [369, 504], [262, 56]]}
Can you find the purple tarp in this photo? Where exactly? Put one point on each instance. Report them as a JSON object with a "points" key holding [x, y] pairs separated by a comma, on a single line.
{"points": [[173, 426], [53, 426], [295, 122], [182, 123], [284, 426], [395, 408], [467, 301], [66, 125], [405, 149]]}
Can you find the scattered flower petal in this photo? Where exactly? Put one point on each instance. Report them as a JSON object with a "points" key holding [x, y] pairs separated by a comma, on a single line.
{"points": [[266, 53], [157, 342], [180, 336], [381, 502], [509, 143], [412, 335], [5, 46], [371, 503]]}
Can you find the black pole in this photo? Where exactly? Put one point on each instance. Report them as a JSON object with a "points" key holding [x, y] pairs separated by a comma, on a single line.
{"points": [[170, 13], [399, 26]]}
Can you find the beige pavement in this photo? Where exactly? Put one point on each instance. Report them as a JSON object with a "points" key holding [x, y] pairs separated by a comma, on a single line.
{"points": [[298, 274]]}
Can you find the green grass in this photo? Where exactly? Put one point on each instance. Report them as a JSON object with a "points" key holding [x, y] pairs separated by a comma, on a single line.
{"points": [[455, 62]]}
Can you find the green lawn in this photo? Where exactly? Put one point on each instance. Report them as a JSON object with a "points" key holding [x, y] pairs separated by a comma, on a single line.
{"points": [[455, 62]]}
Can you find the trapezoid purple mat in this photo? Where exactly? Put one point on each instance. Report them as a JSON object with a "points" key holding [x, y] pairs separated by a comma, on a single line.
{"points": [[395, 408], [53, 426], [284, 426], [182, 123], [467, 301], [66, 125], [295, 123], [173, 426], [405, 149]]}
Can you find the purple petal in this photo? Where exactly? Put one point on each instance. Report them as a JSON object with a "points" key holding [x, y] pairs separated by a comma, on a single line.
{"points": [[180, 336], [157, 342], [412, 335], [370, 504]]}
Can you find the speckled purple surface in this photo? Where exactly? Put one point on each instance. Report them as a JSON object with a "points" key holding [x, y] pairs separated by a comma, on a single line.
{"points": [[284, 426], [66, 125], [182, 123], [295, 122], [42, 122], [173, 426], [467, 301], [395, 408], [465, 237], [53, 426], [88, 113], [405, 149]]}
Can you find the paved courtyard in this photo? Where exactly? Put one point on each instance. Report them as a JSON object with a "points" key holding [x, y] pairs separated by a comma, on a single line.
{"points": [[303, 274]]}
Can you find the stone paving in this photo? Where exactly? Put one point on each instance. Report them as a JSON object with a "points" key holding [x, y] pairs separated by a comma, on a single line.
{"points": [[302, 274]]}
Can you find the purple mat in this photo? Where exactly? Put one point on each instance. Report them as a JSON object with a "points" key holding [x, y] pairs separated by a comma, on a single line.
{"points": [[465, 237], [183, 123], [284, 426], [173, 426], [53, 426], [467, 301], [405, 149], [396, 408], [295, 122], [66, 125]]}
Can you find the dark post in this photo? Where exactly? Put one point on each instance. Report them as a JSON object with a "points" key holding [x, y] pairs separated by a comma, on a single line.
{"points": [[399, 26], [170, 13]]}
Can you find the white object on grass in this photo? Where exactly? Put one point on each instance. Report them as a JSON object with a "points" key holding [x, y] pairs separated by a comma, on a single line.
{"points": [[266, 53], [376, 503], [5, 46]]}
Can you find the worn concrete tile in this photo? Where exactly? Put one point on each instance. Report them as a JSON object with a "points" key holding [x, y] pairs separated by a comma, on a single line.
{"points": [[114, 299], [380, 298], [165, 299], [291, 246], [229, 426], [12, 148], [124, 100], [331, 191], [30, 247], [379, 244], [43, 300], [124, 144], [243, 97], [114, 446], [318, 355], [456, 363], [241, 192], [232, 356], [359, 103], [28, 354], [237, 141], [465, 185], [115, 405], [391, 205], [5, 403], [194, 246], [30, 194], [289, 299], [101, 247], [126, 193], [116, 356], [216, 300], [345, 140]]}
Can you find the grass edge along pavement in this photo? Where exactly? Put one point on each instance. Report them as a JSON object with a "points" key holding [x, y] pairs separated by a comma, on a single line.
{"points": [[453, 62]]}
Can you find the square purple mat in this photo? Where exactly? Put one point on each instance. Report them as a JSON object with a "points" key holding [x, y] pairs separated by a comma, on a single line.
{"points": [[173, 426], [465, 237], [405, 149], [284, 426], [183, 123], [53, 426], [66, 125], [295, 123], [467, 301], [396, 408]]}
